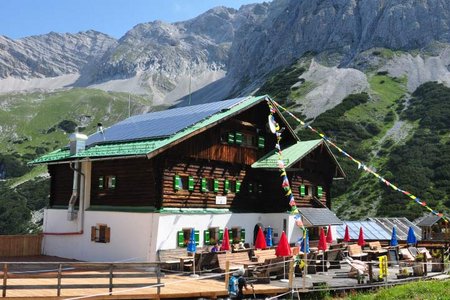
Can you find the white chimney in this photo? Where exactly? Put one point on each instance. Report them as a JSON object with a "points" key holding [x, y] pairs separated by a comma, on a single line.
{"points": [[77, 142]]}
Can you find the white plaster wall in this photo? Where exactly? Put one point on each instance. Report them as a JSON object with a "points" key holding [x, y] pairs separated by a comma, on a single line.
{"points": [[130, 236], [170, 224]]}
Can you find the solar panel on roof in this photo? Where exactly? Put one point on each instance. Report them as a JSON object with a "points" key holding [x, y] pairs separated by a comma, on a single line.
{"points": [[159, 124]]}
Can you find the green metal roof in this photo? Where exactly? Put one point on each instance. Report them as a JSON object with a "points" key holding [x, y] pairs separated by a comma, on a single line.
{"points": [[145, 147], [291, 155]]}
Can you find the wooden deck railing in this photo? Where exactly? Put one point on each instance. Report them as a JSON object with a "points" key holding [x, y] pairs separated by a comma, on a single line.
{"points": [[60, 271], [20, 245]]}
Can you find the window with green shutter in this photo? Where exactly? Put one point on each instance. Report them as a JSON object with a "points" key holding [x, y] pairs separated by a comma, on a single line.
{"points": [[216, 185], [176, 183], [238, 138], [206, 237], [319, 191], [220, 235], [197, 237], [191, 183], [238, 186], [230, 235], [100, 182], [302, 190], [230, 139], [180, 239], [204, 185], [243, 235], [226, 186], [261, 142]]}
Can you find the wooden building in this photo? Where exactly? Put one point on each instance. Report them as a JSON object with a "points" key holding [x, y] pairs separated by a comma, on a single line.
{"points": [[144, 183], [434, 228]]}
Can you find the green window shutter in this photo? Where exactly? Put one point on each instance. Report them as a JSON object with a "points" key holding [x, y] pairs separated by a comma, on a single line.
{"points": [[319, 191], [226, 186], [260, 188], [197, 237], [180, 238], [113, 182], [204, 186], [230, 235], [216, 185], [206, 237], [220, 234], [100, 182], [176, 182], [243, 235], [302, 190], [261, 142], [238, 138], [230, 138], [250, 188], [238, 186], [191, 183]]}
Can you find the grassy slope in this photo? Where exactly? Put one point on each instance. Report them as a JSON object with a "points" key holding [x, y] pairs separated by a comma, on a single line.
{"points": [[28, 120], [422, 290]]}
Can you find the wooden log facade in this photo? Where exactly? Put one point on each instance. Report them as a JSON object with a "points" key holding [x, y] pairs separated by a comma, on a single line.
{"points": [[209, 167]]}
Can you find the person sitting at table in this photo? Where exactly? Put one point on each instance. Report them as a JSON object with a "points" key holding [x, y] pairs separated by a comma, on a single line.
{"points": [[241, 246], [215, 248]]}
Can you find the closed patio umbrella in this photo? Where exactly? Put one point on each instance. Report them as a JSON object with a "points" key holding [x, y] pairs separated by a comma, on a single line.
{"points": [[361, 240], [346, 235], [393, 241], [225, 241], [329, 235], [322, 246], [283, 249], [269, 241], [192, 248], [260, 242], [411, 239]]}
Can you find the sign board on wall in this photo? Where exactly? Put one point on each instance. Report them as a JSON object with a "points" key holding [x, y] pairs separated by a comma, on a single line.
{"points": [[221, 200]]}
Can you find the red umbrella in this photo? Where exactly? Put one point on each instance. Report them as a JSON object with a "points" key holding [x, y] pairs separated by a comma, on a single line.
{"points": [[283, 248], [346, 235], [225, 241], [260, 242], [322, 240], [329, 235], [361, 240]]}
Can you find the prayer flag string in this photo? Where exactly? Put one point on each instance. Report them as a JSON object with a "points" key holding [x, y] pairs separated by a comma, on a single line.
{"points": [[362, 166], [285, 185]]}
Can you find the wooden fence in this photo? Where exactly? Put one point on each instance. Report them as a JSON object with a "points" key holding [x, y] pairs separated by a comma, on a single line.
{"points": [[80, 275], [20, 245]]}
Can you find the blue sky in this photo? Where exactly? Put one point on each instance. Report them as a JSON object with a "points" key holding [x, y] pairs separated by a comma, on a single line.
{"points": [[20, 18]]}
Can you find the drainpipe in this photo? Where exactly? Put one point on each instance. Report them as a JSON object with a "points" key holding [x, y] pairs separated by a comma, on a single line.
{"points": [[77, 144]]}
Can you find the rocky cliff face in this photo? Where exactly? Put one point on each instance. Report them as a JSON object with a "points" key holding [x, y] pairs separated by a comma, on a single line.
{"points": [[225, 52], [343, 27], [52, 54]]}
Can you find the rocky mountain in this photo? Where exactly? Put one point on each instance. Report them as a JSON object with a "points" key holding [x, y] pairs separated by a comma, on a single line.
{"points": [[52, 55], [226, 52]]}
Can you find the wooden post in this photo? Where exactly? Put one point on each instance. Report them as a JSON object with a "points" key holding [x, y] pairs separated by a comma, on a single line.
{"points": [[305, 269], [227, 273], [158, 280], [58, 285], [291, 274], [111, 278], [5, 276]]}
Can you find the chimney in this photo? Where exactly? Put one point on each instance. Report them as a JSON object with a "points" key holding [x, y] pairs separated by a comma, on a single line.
{"points": [[77, 142]]}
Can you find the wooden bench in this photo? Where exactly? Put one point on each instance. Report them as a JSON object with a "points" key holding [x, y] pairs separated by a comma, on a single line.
{"points": [[355, 251], [170, 258], [270, 266], [261, 255], [237, 260]]}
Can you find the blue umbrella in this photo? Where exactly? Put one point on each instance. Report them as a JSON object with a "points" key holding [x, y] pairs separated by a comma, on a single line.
{"points": [[411, 236], [394, 241], [191, 246], [305, 243], [269, 241]]}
